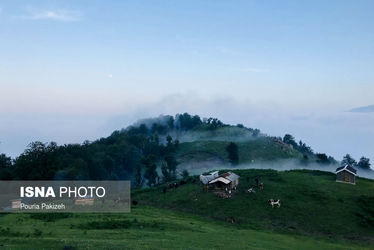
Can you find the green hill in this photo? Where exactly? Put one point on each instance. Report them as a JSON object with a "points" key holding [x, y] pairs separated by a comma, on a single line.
{"points": [[141, 150], [312, 204], [262, 149], [315, 213]]}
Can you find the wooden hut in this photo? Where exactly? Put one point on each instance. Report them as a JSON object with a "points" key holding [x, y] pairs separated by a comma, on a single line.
{"points": [[227, 180], [346, 174]]}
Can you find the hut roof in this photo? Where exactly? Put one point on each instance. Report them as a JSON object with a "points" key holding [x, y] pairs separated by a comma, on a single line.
{"points": [[220, 179], [347, 168], [207, 178], [230, 176]]}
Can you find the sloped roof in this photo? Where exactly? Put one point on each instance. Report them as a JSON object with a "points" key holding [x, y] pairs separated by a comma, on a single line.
{"points": [[207, 178], [347, 168], [220, 179], [230, 176]]}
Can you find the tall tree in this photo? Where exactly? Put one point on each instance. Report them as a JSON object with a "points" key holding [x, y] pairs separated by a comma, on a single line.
{"points": [[150, 170], [172, 164], [348, 160], [322, 158], [138, 176], [5, 167], [364, 163], [5, 161], [290, 140], [233, 154]]}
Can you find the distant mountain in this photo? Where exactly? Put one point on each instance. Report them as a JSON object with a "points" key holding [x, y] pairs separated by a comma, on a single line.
{"points": [[363, 109]]}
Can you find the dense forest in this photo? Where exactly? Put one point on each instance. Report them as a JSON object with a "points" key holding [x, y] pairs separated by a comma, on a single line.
{"points": [[145, 153]]}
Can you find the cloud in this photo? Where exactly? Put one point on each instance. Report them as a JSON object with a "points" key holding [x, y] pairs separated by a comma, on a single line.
{"points": [[255, 70], [110, 76], [363, 109], [57, 15]]}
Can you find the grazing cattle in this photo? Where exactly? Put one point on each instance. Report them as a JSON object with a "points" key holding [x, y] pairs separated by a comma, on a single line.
{"points": [[164, 190], [231, 220], [134, 202], [251, 190], [274, 202], [182, 182], [261, 186]]}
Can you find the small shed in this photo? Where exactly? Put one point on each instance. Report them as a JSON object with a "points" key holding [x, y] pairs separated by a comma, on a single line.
{"points": [[346, 174], [226, 180], [233, 178]]}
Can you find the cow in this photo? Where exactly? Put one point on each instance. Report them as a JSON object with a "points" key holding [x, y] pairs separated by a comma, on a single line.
{"points": [[261, 185], [231, 220], [251, 190], [274, 202]]}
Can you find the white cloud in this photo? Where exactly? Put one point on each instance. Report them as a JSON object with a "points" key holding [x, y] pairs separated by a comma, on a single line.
{"points": [[57, 15], [110, 76]]}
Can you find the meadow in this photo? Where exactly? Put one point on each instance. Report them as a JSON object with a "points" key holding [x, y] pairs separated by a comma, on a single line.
{"points": [[316, 213]]}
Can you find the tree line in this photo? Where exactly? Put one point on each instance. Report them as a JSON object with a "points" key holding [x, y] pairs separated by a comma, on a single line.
{"points": [[144, 153]]}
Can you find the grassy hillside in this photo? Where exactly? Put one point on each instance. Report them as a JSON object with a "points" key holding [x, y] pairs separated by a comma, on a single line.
{"points": [[316, 213], [253, 150], [145, 228], [312, 204]]}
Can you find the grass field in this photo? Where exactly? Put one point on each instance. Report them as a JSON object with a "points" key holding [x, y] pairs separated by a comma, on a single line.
{"points": [[316, 213], [146, 228], [261, 149], [312, 204]]}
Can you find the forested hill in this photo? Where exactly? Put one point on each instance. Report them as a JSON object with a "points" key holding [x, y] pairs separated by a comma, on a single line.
{"points": [[156, 150]]}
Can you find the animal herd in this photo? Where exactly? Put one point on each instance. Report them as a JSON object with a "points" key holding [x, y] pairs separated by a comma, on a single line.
{"points": [[252, 190]]}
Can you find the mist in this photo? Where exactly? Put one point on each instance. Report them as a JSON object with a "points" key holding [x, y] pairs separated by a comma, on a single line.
{"points": [[329, 130], [280, 165]]}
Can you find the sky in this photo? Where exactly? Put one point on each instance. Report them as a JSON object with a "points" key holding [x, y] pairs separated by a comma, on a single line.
{"points": [[76, 70]]}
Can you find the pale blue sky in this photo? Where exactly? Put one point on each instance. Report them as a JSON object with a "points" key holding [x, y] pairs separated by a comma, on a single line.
{"points": [[70, 69]]}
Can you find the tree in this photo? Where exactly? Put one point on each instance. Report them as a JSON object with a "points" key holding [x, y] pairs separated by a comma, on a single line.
{"points": [[5, 167], [5, 161], [171, 165], [348, 160], [256, 132], [185, 174], [165, 172], [364, 163], [290, 140], [176, 144], [322, 159], [150, 170], [233, 155], [138, 176], [169, 144], [38, 162]]}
